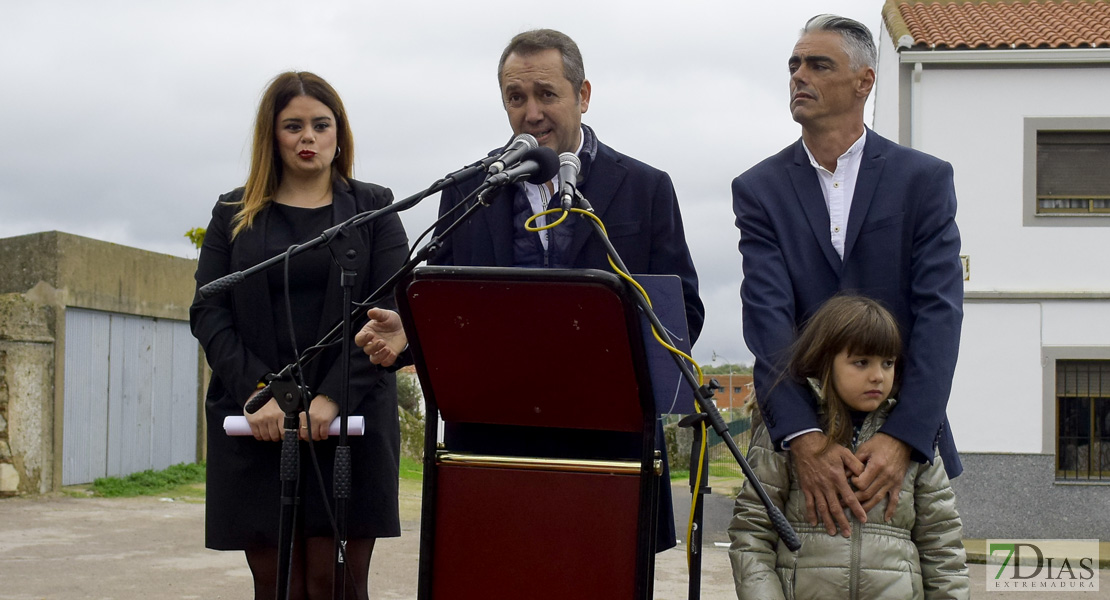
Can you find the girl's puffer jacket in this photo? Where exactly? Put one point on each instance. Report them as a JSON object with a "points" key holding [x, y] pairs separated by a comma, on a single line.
{"points": [[918, 555]]}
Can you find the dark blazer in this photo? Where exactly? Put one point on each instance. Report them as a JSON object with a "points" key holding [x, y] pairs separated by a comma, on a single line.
{"points": [[237, 333], [636, 202], [236, 329], [901, 248]]}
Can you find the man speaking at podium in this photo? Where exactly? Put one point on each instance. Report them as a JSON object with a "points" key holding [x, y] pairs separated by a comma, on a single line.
{"points": [[545, 93]]}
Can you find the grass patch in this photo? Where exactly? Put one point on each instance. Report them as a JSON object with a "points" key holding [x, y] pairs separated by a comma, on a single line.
{"points": [[182, 481], [179, 479], [411, 469]]}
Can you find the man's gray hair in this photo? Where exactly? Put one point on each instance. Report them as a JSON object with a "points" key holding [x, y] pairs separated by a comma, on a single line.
{"points": [[858, 42], [538, 40]]}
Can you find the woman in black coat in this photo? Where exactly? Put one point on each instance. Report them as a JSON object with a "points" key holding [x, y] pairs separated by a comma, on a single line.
{"points": [[299, 184]]}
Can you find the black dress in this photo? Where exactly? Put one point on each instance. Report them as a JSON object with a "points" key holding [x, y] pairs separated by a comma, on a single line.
{"points": [[245, 336]]}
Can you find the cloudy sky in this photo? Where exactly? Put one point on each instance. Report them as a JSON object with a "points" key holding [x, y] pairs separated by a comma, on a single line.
{"points": [[126, 120]]}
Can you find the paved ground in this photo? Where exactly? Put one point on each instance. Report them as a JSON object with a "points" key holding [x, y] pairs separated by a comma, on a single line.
{"points": [[59, 547]]}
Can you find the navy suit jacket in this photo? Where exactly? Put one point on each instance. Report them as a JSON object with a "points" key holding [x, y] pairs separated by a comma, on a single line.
{"points": [[636, 202], [901, 248]]}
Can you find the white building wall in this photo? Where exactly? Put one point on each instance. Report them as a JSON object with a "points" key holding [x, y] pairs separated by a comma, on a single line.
{"points": [[998, 401], [1077, 323], [997, 386], [974, 117], [885, 118]]}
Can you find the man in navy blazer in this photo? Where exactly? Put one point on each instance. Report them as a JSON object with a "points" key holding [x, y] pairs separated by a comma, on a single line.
{"points": [[845, 210], [545, 94]]}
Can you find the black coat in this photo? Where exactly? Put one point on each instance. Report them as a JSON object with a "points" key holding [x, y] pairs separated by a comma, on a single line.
{"points": [[237, 333]]}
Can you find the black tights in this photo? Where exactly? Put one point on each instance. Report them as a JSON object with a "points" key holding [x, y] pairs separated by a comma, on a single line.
{"points": [[312, 568]]}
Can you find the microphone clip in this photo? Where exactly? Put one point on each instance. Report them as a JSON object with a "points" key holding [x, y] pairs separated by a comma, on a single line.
{"points": [[581, 202], [486, 196]]}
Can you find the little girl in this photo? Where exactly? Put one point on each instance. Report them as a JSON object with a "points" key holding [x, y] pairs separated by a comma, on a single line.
{"points": [[848, 354]]}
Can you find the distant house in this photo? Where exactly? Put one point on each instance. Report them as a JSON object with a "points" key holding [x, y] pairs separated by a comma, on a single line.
{"points": [[1016, 95]]}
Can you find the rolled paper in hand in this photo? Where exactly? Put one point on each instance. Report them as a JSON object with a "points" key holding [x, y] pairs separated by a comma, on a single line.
{"points": [[237, 425]]}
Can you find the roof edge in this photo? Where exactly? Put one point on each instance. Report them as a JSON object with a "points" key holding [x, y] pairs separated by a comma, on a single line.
{"points": [[896, 26]]}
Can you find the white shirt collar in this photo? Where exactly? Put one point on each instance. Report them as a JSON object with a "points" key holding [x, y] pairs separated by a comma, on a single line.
{"points": [[853, 152]]}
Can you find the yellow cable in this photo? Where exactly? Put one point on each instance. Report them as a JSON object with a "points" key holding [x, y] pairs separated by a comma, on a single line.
{"points": [[697, 490], [697, 368], [531, 219]]}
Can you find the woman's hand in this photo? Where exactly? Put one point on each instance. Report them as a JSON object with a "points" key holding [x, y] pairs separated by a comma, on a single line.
{"points": [[267, 422], [323, 411]]}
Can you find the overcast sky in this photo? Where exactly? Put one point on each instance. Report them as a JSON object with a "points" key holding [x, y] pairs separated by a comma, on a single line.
{"points": [[126, 120]]}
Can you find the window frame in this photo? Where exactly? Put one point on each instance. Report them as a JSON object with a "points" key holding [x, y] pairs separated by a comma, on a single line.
{"points": [[1051, 408], [1065, 217]]}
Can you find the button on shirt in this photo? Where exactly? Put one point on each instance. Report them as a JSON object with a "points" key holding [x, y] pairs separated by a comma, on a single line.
{"points": [[838, 188]]}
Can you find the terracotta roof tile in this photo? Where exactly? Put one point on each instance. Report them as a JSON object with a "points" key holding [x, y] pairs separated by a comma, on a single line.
{"points": [[983, 24]]}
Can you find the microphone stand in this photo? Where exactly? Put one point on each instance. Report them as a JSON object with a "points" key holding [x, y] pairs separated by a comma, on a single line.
{"points": [[347, 257], [708, 413], [290, 397]]}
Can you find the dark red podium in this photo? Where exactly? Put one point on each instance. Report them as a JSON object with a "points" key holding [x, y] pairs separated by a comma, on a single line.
{"points": [[544, 486]]}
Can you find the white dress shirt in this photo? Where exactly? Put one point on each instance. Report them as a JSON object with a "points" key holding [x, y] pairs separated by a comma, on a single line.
{"points": [[539, 195], [838, 187]]}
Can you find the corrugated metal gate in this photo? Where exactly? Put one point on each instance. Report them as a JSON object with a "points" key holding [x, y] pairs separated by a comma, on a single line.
{"points": [[130, 395]]}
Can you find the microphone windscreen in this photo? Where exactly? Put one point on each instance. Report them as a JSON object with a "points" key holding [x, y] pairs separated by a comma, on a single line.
{"points": [[525, 140], [548, 163]]}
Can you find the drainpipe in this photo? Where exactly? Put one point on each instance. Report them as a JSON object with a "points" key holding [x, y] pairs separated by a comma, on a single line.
{"points": [[916, 99]]}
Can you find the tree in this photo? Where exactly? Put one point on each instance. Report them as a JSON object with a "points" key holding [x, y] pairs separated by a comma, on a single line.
{"points": [[727, 368], [196, 236], [409, 394]]}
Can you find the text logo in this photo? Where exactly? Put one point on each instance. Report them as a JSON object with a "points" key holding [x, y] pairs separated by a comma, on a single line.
{"points": [[1042, 565]]}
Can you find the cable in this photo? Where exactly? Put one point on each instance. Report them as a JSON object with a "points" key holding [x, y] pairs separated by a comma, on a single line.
{"points": [[298, 375], [696, 493]]}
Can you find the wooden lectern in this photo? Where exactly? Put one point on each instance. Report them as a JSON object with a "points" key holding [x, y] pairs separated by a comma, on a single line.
{"points": [[545, 484]]}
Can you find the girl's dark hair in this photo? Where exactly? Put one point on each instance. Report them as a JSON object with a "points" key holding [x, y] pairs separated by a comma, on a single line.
{"points": [[857, 324]]}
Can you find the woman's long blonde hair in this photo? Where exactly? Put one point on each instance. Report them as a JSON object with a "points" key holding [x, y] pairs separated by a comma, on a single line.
{"points": [[266, 165], [857, 324]]}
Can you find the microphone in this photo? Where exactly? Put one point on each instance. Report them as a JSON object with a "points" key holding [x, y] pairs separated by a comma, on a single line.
{"points": [[536, 166], [569, 165], [514, 152]]}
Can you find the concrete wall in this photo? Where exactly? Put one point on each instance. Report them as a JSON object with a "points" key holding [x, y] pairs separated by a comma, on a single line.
{"points": [[41, 275], [1015, 496], [26, 396]]}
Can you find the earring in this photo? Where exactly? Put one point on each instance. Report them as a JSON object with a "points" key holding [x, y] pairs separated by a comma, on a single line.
{"points": [[337, 151]]}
